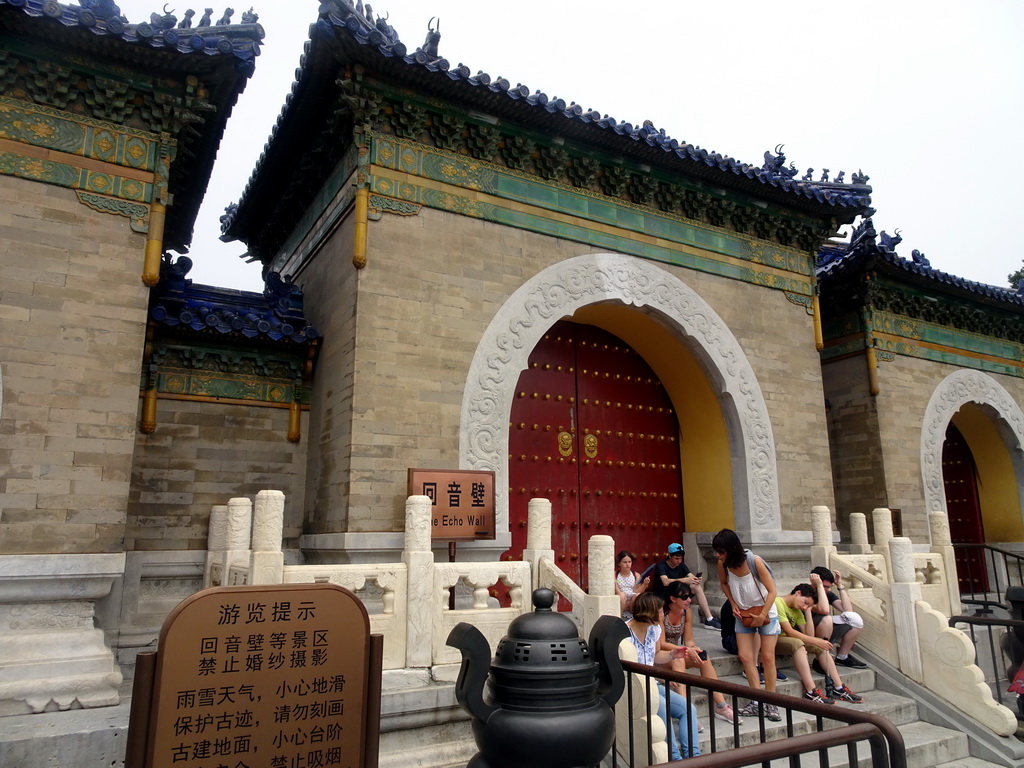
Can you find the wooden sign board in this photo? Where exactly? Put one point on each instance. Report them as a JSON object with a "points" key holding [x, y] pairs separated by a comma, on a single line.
{"points": [[277, 676], [462, 502]]}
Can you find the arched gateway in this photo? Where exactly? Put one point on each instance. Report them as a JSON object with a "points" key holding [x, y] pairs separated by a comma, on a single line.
{"points": [[972, 465], [564, 288]]}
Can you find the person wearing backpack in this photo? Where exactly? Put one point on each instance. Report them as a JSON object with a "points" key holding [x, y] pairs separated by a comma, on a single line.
{"points": [[748, 583]]}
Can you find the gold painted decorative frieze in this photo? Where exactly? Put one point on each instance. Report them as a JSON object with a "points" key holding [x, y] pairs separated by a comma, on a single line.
{"points": [[73, 134], [801, 300], [647, 235], [206, 373], [64, 174], [138, 213], [382, 204], [193, 384], [895, 335]]}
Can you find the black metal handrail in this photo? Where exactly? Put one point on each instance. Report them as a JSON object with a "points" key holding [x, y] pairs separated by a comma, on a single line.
{"points": [[996, 562], [890, 752], [819, 741], [997, 675]]}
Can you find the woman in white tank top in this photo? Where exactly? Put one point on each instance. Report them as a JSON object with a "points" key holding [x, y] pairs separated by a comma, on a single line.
{"points": [[746, 590]]}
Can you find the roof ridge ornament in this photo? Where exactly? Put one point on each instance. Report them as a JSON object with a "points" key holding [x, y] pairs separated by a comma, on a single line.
{"points": [[433, 39], [103, 9], [889, 242]]}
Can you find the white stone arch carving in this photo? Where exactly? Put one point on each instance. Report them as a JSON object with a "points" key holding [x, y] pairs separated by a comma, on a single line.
{"points": [[960, 387], [559, 291]]}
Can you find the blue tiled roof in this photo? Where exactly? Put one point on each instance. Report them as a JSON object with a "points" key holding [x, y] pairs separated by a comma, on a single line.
{"points": [[836, 261], [340, 20], [346, 20], [240, 40], [275, 316]]}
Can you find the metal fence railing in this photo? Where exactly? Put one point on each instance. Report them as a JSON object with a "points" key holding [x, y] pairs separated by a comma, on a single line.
{"points": [[984, 572], [796, 736]]}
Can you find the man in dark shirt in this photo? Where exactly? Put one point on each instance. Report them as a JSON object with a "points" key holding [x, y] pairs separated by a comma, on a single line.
{"points": [[842, 629], [672, 568]]}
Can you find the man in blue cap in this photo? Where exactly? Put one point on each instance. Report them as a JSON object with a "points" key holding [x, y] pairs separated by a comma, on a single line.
{"points": [[672, 568]]}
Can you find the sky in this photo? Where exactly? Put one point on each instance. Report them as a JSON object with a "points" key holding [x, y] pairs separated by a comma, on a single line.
{"points": [[925, 97]]}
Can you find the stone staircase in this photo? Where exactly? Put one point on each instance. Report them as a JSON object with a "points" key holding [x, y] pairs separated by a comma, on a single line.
{"points": [[423, 727]]}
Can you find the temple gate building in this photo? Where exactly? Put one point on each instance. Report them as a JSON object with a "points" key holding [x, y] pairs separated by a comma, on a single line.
{"points": [[460, 273]]}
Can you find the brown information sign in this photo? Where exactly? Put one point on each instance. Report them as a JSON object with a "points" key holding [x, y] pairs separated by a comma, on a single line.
{"points": [[262, 677], [462, 502]]}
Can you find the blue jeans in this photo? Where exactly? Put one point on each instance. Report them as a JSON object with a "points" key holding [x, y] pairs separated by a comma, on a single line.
{"points": [[688, 744]]}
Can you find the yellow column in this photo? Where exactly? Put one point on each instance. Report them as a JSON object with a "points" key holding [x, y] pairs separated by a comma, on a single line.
{"points": [[362, 211], [819, 338], [147, 425], [294, 432], [873, 370], [154, 244]]}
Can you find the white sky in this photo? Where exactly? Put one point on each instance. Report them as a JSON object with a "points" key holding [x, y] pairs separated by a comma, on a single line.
{"points": [[924, 96]]}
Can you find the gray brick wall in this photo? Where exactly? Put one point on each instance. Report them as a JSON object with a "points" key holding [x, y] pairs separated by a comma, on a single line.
{"points": [[72, 319]]}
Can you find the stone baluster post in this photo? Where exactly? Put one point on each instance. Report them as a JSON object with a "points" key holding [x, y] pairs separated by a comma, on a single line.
{"points": [[216, 543], [601, 598], [239, 538], [859, 534], [881, 519], [422, 602], [821, 537], [906, 593], [267, 532], [942, 544], [538, 540]]}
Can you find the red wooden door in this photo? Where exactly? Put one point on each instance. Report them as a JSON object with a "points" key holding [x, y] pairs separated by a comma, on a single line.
{"points": [[964, 510], [594, 431]]}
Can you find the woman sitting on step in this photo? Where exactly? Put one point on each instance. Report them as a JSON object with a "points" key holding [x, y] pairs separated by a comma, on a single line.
{"points": [[627, 583], [645, 631], [679, 631]]}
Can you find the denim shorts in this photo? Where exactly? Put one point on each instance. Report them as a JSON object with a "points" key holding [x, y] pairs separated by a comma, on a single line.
{"points": [[771, 628]]}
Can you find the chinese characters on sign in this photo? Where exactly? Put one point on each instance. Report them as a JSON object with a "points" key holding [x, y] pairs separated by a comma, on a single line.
{"points": [[462, 502], [262, 677]]}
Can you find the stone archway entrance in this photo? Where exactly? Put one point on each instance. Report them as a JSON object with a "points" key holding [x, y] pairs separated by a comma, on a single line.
{"points": [[992, 426], [564, 288]]}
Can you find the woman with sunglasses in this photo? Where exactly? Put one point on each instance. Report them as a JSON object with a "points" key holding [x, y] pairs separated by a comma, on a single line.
{"points": [[679, 631]]}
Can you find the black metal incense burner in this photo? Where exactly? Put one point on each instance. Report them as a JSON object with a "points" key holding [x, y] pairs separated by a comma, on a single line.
{"points": [[551, 695]]}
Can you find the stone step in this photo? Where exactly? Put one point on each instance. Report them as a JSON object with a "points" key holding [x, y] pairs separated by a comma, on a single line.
{"points": [[859, 680], [900, 710], [422, 725], [927, 746], [970, 762]]}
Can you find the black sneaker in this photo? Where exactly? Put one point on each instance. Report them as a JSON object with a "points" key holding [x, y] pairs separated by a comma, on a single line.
{"points": [[852, 662], [816, 666], [779, 674], [845, 694], [713, 623], [818, 696]]}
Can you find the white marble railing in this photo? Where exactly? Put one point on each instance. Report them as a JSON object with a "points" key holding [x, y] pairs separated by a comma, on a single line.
{"points": [[905, 599], [408, 602]]}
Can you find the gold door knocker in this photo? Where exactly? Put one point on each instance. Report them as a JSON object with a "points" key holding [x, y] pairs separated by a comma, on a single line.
{"points": [[590, 446], [565, 443]]}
